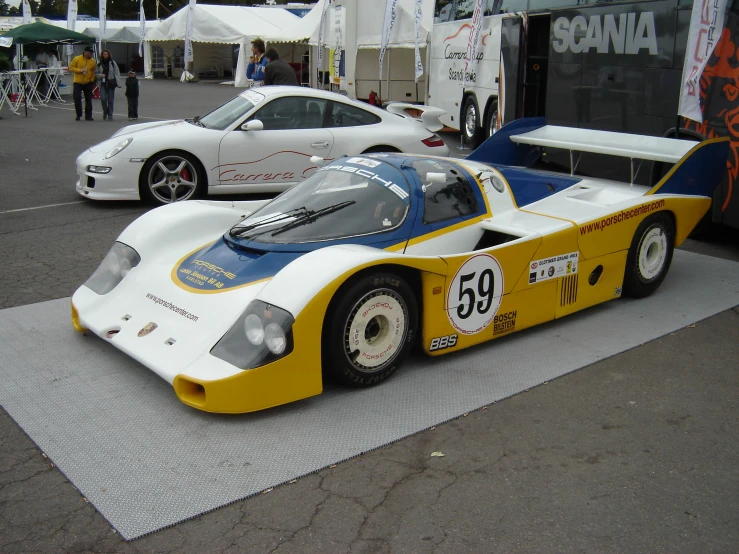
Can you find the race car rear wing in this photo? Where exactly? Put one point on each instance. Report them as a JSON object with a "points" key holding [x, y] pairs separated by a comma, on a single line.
{"points": [[521, 143], [429, 114]]}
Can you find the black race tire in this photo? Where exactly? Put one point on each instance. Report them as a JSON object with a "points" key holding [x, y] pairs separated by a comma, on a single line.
{"points": [[370, 328], [650, 255], [184, 178], [471, 123], [491, 120]]}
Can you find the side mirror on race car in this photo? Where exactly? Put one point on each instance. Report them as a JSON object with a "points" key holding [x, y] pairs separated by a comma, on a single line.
{"points": [[432, 177], [317, 161], [253, 125]]}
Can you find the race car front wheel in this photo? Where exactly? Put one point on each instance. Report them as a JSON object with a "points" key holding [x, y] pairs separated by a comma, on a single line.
{"points": [[649, 256], [171, 176], [369, 330]]}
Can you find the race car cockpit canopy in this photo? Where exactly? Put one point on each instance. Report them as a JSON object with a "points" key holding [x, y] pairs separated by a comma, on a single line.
{"points": [[350, 197]]}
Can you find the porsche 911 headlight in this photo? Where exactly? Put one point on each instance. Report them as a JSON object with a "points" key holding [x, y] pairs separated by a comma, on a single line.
{"points": [[115, 266], [118, 147], [262, 334]]}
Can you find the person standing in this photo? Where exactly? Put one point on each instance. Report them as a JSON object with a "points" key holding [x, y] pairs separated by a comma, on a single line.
{"points": [[132, 95], [42, 63], [110, 79], [277, 71], [257, 62], [83, 67]]}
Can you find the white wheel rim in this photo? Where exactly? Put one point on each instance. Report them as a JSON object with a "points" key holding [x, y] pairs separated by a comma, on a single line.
{"points": [[652, 253], [172, 179], [376, 329]]}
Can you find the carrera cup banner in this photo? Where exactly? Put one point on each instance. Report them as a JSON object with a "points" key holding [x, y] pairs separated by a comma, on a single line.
{"points": [[706, 24], [142, 19], [391, 7]]}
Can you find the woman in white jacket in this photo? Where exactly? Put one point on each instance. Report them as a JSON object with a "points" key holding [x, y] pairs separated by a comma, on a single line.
{"points": [[109, 78]]}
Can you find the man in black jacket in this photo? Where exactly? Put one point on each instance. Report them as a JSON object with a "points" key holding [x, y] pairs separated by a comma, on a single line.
{"points": [[277, 71]]}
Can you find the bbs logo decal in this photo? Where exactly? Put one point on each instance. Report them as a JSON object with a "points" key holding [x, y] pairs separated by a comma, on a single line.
{"points": [[475, 294], [440, 343]]}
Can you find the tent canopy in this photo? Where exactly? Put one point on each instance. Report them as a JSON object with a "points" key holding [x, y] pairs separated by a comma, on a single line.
{"points": [[372, 18], [116, 31], [45, 34], [225, 24]]}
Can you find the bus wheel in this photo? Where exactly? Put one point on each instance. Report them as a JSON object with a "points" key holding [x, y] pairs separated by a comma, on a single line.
{"points": [[471, 124], [492, 124]]}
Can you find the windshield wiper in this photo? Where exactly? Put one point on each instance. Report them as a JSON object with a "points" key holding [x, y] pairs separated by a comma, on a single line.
{"points": [[311, 215], [239, 232], [196, 121]]}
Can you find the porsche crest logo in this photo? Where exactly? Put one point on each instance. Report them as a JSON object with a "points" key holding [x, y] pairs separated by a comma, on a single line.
{"points": [[148, 328]]}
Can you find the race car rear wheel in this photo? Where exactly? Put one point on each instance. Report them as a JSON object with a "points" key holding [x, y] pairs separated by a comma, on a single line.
{"points": [[370, 330], [171, 176], [649, 256]]}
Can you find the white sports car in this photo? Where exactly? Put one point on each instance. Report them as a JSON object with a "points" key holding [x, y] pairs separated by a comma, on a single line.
{"points": [[260, 141]]}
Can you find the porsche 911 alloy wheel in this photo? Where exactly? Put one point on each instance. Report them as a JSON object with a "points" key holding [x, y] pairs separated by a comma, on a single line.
{"points": [[170, 177], [371, 330], [649, 256]]}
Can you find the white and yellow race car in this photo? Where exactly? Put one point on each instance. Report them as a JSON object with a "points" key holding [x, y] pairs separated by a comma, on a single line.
{"points": [[248, 305]]}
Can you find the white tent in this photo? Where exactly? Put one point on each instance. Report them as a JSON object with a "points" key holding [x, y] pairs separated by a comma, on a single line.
{"points": [[398, 81], [221, 25]]}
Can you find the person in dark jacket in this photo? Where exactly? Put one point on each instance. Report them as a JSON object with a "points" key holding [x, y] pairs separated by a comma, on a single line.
{"points": [[132, 95], [277, 71]]}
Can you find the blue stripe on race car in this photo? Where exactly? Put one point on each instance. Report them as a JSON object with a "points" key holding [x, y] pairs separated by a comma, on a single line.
{"points": [[529, 186], [217, 267]]}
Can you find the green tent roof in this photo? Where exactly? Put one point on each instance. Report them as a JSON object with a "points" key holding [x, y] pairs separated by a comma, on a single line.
{"points": [[45, 34]]}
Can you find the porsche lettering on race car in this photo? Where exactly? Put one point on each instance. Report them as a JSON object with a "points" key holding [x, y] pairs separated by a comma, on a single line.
{"points": [[476, 292], [403, 195]]}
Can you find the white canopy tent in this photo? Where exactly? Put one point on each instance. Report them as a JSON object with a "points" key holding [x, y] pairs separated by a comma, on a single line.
{"points": [[399, 65], [216, 26]]}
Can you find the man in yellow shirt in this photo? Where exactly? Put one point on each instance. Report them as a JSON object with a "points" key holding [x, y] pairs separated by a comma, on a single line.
{"points": [[83, 68]]}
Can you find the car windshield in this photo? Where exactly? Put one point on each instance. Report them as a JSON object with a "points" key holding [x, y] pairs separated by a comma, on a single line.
{"points": [[350, 197], [231, 111]]}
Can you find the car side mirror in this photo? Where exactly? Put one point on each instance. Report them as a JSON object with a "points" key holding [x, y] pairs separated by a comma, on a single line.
{"points": [[317, 161], [253, 125], [433, 177]]}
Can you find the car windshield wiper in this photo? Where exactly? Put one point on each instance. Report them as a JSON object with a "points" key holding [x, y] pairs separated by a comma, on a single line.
{"points": [[311, 215], [196, 121], [239, 232]]}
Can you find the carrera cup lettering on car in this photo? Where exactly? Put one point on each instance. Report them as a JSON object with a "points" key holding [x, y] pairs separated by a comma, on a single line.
{"points": [[475, 292], [440, 343]]}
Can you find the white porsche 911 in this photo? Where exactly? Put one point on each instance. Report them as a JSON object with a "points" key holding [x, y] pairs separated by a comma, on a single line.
{"points": [[260, 141]]}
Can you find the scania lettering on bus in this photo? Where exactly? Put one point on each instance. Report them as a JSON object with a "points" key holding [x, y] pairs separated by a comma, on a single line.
{"points": [[627, 35]]}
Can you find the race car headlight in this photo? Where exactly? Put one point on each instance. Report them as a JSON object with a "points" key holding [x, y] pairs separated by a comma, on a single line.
{"points": [[262, 334], [115, 266], [118, 147]]}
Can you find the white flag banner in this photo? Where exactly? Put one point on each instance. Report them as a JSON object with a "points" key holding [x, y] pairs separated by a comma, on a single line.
{"points": [[102, 17], [706, 25], [474, 39], [391, 9], [142, 19], [26, 12], [188, 32], [322, 34], [71, 22], [417, 24]]}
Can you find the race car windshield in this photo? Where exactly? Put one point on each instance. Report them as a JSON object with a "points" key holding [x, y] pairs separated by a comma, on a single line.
{"points": [[341, 200], [234, 109]]}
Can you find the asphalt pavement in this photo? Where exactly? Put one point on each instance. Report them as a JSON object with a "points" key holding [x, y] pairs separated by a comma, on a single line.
{"points": [[636, 453]]}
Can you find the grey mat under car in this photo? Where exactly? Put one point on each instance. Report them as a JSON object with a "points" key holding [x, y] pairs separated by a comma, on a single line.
{"points": [[146, 461]]}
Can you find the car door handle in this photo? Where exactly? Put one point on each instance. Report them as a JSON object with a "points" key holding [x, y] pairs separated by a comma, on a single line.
{"points": [[320, 144]]}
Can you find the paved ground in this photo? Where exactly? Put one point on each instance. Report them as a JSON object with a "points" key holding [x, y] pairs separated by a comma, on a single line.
{"points": [[637, 453]]}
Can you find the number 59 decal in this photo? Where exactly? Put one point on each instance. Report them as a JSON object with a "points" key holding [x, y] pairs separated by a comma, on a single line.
{"points": [[475, 294]]}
